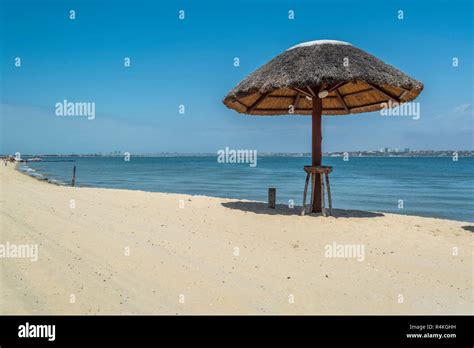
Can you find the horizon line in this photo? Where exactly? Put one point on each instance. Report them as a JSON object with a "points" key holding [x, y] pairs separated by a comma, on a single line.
{"points": [[121, 153]]}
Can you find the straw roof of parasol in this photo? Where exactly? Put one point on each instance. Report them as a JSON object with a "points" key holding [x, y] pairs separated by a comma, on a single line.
{"points": [[356, 81]]}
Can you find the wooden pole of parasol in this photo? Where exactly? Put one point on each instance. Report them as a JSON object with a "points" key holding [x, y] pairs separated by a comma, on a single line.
{"points": [[317, 149]]}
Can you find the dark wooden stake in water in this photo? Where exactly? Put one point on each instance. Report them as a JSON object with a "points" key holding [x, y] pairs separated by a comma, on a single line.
{"points": [[73, 182], [271, 197], [317, 139]]}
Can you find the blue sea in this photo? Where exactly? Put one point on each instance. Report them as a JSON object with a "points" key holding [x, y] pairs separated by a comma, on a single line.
{"points": [[434, 187]]}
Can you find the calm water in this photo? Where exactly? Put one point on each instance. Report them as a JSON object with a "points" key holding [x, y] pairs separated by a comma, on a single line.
{"points": [[435, 187]]}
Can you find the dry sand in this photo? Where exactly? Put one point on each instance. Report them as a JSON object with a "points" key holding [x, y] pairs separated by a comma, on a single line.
{"points": [[188, 254]]}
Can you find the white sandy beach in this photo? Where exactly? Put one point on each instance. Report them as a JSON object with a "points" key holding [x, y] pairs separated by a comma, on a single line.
{"points": [[188, 254]]}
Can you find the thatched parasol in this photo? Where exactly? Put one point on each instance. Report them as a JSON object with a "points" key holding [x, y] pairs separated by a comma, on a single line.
{"points": [[322, 77]]}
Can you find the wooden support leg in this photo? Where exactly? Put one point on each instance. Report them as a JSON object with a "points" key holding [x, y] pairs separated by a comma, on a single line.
{"points": [[303, 211], [329, 194], [313, 188], [323, 203]]}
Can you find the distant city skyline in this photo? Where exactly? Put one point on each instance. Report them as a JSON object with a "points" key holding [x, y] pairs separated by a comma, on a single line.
{"points": [[157, 81], [383, 152]]}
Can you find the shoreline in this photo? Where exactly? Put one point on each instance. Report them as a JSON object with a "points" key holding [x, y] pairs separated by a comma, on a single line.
{"points": [[65, 184], [42, 179], [191, 251]]}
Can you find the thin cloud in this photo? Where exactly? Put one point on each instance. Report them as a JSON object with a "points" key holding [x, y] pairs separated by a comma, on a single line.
{"points": [[463, 108]]}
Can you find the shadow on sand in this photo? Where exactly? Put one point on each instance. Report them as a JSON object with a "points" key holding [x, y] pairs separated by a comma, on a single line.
{"points": [[281, 209], [468, 228]]}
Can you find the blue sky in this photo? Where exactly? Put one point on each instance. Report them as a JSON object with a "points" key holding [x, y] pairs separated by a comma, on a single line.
{"points": [[190, 62]]}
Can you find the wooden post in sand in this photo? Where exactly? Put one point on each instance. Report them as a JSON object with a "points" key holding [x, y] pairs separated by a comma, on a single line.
{"points": [[271, 197], [73, 182]]}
